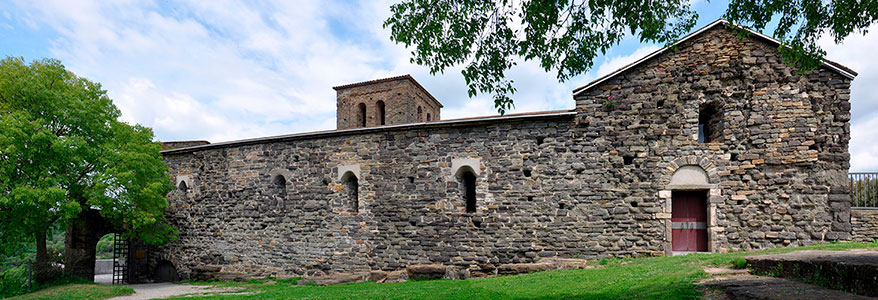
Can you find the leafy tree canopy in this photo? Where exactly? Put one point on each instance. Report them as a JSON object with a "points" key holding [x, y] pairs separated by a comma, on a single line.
{"points": [[63, 151], [565, 36]]}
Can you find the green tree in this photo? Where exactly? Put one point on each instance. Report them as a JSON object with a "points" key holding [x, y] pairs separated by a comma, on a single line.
{"points": [[66, 161], [565, 36]]}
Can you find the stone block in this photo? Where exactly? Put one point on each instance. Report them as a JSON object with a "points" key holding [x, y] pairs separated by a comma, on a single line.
{"points": [[425, 272]]}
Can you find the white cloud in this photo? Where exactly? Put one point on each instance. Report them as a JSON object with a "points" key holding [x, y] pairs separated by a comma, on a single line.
{"points": [[261, 70], [613, 63], [223, 70], [855, 52], [864, 149]]}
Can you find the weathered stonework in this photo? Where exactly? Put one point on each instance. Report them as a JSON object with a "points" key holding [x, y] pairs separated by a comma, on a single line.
{"points": [[864, 224], [548, 185], [781, 163]]}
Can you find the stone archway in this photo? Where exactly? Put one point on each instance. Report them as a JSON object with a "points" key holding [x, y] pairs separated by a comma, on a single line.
{"points": [[690, 175], [165, 272]]}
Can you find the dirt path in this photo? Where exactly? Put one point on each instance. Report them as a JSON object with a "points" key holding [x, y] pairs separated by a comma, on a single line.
{"points": [[164, 290]]}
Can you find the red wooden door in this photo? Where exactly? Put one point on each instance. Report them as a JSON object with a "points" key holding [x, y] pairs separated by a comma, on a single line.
{"points": [[689, 221]]}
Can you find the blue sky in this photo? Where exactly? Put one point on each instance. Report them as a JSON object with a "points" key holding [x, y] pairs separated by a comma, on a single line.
{"points": [[225, 70]]}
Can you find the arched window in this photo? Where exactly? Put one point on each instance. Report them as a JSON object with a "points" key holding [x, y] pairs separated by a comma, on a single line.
{"points": [[361, 117], [183, 187], [352, 191], [709, 123], [279, 186], [420, 113], [429, 118], [468, 187], [381, 114]]}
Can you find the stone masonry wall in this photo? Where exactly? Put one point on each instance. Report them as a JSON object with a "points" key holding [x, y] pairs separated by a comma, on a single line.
{"points": [[552, 185], [781, 163], [865, 225]]}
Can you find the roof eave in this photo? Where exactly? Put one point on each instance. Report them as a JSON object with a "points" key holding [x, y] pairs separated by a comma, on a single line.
{"points": [[329, 133], [844, 71]]}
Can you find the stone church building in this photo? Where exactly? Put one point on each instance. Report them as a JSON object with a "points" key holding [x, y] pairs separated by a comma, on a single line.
{"points": [[712, 145]]}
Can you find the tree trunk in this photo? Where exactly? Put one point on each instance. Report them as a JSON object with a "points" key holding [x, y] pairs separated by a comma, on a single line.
{"points": [[43, 270], [82, 238]]}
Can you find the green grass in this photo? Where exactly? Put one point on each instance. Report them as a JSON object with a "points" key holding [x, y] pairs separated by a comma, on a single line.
{"points": [[626, 278], [641, 278], [77, 291]]}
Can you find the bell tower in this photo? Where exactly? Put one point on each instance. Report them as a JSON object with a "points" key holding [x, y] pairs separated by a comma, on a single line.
{"points": [[382, 102]]}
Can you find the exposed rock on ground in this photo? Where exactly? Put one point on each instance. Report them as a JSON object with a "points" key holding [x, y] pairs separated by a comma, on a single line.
{"points": [[852, 270]]}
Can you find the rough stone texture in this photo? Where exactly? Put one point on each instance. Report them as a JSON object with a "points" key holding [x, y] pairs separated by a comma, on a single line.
{"points": [[542, 265], [420, 272], [864, 224], [854, 270], [439, 271], [552, 185], [781, 163], [402, 96], [770, 288]]}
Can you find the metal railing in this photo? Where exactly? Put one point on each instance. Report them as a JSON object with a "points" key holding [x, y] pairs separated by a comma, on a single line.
{"points": [[864, 189]]}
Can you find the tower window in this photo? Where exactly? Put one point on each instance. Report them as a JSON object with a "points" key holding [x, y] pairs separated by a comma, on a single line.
{"points": [[381, 114], [183, 187], [352, 191], [361, 117], [420, 113], [709, 123]]}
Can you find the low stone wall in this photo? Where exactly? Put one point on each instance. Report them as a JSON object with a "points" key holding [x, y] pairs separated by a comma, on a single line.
{"points": [[852, 271], [864, 223], [439, 271], [103, 266]]}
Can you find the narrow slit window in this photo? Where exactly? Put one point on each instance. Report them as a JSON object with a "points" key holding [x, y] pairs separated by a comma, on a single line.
{"points": [[420, 113], [381, 113], [469, 190], [352, 191], [429, 118], [709, 123], [361, 117]]}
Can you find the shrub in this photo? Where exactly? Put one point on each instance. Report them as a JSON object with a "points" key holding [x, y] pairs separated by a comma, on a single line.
{"points": [[13, 281], [739, 263]]}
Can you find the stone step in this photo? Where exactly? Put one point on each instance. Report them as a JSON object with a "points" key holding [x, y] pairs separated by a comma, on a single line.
{"points": [[854, 271], [772, 288]]}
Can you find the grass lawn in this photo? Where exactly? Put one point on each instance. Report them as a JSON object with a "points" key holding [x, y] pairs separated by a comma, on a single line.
{"points": [[77, 291], [642, 278]]}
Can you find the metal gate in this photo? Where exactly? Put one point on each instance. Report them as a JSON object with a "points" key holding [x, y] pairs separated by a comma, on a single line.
{"points": [[689, 221], [120, 259]]}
